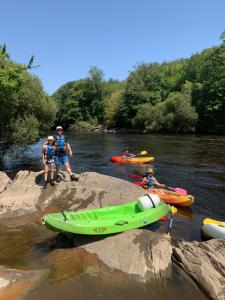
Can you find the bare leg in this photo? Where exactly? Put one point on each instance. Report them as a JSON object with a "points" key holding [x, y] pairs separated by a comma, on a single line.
{"points": [[68, 169], [51, 170], [57, 169], [45, 176], [45, 172]]}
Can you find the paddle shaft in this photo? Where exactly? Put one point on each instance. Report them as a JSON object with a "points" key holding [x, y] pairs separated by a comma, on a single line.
{"points": [[173, 211], [170, 224]]}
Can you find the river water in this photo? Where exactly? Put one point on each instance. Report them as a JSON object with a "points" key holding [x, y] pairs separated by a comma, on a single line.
{"points": [[196, 163]]}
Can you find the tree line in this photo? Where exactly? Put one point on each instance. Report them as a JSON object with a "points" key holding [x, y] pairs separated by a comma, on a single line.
{"points": [[185, 95]]}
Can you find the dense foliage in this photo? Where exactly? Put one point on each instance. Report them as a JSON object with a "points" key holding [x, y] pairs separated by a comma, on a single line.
{"points": [[25, 107], [186, 95], [91, 100]]}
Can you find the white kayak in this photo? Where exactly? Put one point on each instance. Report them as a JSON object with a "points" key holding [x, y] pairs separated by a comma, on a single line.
{"points": [[213, 229]]}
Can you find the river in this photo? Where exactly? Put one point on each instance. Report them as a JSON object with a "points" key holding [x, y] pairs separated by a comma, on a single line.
{"points": [[193, 162]]}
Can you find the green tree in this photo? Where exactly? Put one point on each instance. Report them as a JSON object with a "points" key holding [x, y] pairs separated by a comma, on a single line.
{"points": [[22, 101], [93, 101], [222, 37], [209, 95], [69, 98], [82, 100], [20, 133], [175, 115], [149, 118], [179, 115], [144, 85], [112, 107]]}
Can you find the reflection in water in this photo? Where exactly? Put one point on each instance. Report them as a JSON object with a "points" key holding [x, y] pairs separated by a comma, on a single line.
{"points": [[96, 284], [185, 212]]}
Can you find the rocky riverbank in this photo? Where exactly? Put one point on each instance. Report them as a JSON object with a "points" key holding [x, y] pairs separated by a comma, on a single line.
{"points": [[142, 254]]}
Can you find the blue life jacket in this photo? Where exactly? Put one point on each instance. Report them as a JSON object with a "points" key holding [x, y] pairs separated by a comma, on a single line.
{"points": [[60, 143], [151, 183], [50, 152]]}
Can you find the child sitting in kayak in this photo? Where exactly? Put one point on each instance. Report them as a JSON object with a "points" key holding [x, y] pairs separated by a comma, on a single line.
{"points": [[48, 154], [149, 181], [127, 154]]}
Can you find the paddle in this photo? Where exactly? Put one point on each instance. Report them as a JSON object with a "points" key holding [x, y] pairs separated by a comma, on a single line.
{"points": [[177, 190], [135, 177], [173, 211], [180, 191], [211, 221], [144, 152]]}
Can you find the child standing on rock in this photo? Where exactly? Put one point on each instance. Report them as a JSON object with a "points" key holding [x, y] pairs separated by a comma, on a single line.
{"points": [[48, 155]]}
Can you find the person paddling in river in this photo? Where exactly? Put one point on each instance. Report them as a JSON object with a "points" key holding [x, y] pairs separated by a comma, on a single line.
{"points": [[48, 154], [149, 181], [61, 154], [127, 154]]}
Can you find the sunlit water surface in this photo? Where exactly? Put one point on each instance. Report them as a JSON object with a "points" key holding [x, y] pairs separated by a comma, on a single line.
{"points": [[196, 163]]}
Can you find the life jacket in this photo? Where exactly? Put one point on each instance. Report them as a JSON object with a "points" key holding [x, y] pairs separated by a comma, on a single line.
{"points": [[50, 152], [151, 183], [60, 144]]}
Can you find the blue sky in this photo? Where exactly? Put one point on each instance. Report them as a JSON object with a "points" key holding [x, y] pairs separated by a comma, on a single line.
{"points": [[67, 37]]}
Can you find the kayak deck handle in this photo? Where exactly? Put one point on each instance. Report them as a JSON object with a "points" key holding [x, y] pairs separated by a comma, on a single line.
{"points": [[121, 223], [64, 215]]}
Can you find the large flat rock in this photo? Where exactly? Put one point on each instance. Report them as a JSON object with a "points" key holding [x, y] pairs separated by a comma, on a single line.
{"points": [[21, 196], [139, 252], [26, 194]]}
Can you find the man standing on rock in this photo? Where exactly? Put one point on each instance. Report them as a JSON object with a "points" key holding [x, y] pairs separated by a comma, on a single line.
{"points": [[61, 153]]}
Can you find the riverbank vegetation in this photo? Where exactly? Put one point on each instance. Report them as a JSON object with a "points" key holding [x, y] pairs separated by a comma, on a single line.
{"points": [[186, 95], [25, 107]]}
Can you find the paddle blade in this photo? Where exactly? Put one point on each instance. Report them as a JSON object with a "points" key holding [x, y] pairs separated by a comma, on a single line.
{"points": [[136, 177], [173, 210], [144, 152], [163, 219], [180, 191], [211, 221]]}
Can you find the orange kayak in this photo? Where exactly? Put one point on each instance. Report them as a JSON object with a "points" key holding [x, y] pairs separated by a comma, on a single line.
{"points": [[173, 198], [131, 160]]}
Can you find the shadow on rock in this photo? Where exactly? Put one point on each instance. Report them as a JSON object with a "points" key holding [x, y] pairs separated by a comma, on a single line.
{"points": [[39, 180], [67, 240]]}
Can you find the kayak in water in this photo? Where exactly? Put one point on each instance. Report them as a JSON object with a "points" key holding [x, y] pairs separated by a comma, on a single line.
{"points": [[171, 197], [131, 160], [110, 219], [174, 198], [213, 228]]}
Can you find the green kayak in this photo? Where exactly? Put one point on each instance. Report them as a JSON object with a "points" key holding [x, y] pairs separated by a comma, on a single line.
{"points": [[107, 220]]}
